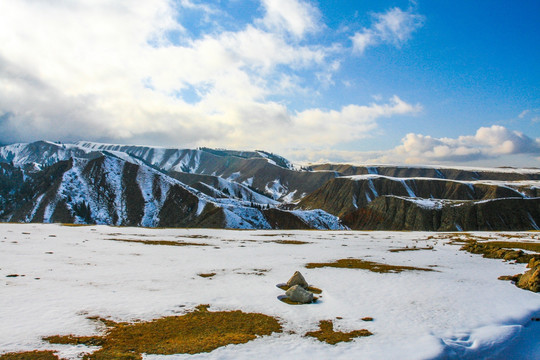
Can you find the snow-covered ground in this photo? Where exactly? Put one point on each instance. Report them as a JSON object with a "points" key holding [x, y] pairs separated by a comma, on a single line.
{"points": [[459, 311]]}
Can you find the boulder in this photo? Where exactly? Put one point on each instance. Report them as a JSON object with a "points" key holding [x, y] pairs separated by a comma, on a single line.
{"points": [[297, 279], [530, 280], [298, 294]]}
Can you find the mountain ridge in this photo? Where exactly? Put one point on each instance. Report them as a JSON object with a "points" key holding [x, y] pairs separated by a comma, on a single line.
{"points": [[134, 185]]}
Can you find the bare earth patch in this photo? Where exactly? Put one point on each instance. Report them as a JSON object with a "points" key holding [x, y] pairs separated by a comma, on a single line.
{"points": [[192, 333], [366, 265], [327, 334]]}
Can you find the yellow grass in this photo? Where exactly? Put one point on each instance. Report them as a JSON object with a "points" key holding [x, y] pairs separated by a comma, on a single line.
{"points": [[366, 265], [195, 332], [161, 242], [30, 355], [327, 334]]}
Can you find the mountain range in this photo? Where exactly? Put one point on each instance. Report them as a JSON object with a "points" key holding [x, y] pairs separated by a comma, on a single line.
{"points": [[93, 183]]}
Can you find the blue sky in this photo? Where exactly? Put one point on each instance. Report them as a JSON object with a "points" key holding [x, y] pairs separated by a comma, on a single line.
{"points": [[422, 82]]}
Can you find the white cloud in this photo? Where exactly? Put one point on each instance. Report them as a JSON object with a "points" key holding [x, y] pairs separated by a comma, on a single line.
{"points": [[489, 146], [306, 131], [523, 114], [103, 70], [96, 70], [488, 143], [295, 17], [393, 27]]}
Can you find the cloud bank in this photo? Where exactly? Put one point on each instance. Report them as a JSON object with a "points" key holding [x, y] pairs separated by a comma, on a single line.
{"points": [[130, 71], [494, 145]]}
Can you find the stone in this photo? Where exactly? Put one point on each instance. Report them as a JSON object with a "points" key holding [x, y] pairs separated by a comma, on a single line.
{"points": [[530, 280], [297, 279], [298, 294]]}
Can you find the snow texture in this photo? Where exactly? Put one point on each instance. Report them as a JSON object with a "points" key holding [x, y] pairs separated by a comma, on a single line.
{"points": [[459, 311]]}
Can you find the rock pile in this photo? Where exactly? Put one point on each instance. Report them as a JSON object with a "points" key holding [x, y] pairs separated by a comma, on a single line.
{"points": [[298, 290]]}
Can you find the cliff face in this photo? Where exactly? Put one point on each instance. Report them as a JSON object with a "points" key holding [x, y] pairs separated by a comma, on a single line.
{"points": [[396, 213], [384, 203]]}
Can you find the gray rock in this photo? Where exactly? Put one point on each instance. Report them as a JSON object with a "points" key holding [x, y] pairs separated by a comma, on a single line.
{"points": [[299, 294], [297, 279]]}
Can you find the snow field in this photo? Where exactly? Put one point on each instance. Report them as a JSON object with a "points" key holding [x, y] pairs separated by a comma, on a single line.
{"points": [[459, 311]]}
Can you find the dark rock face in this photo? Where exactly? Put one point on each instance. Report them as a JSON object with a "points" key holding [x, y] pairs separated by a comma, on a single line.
{"points": [[380, 203], [394, 213], [279, 219]]}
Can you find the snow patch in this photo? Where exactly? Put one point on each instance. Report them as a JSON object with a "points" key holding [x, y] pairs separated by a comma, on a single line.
{"points": [[244, 218], [200, 206], [319, 219]]}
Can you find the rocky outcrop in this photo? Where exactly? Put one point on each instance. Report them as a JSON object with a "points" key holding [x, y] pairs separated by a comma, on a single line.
{"points": [[399, 213], [530, 280], [341, 196]]}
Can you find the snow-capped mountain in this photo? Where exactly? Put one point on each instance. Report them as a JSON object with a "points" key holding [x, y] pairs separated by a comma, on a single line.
{"points": [[89, 182], [49, 182]]}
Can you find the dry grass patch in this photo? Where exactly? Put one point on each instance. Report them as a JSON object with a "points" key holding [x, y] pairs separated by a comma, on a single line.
{"points": [[411, 249], [194, 236], [276, 235], [192, 333], [207, 275], [257, 272], [503, 250], [30, 355], [327, 334], [290, 242], [160, 242], [366, 265], [530, 246], [75, 340]]}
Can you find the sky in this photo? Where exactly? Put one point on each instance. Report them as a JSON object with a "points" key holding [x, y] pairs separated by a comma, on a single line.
{"points": [[364, 82]]}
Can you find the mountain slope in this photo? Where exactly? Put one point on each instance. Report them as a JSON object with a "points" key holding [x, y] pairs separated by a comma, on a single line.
{"points": [[105, 189], [401, 213], [89, 182]]}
